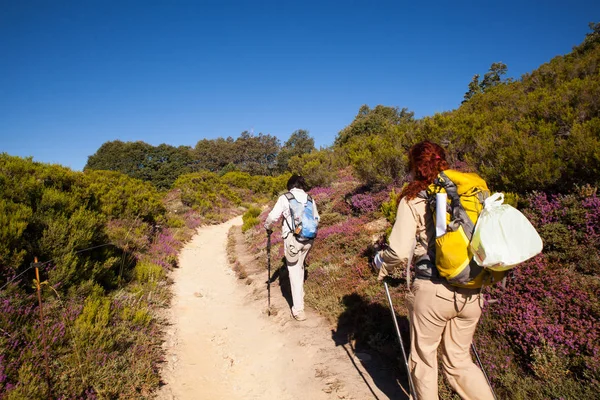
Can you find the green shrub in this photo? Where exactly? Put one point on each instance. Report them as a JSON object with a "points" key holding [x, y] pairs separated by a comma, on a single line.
{"points": [[142, 318], [318, 168], [250, 218], [330, 218], [89, 327], [238, 179], [120, 196], [148, 272], [378, 159], [14, 219], [390, 207], [130, 235], [511, 199], [205, 192]]}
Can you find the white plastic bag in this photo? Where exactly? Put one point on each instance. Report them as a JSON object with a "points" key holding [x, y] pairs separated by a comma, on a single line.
{"points": [[503, 236]]}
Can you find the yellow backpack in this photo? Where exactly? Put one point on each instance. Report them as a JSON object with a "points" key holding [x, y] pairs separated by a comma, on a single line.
{"points": [[453, 257]]}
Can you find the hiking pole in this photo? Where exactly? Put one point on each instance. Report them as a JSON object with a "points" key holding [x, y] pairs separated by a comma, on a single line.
{"points": [[269, 272], [483, 370], [410, 381]]}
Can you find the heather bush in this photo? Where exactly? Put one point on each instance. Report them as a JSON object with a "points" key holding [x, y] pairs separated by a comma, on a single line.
{"points": [[363, 203], [570, 227], [192, 220], [164, 249], [330, 218], [547, 317]]}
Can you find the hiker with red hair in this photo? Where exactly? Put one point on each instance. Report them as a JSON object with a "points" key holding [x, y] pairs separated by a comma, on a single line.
{"points": [[438, 311]]}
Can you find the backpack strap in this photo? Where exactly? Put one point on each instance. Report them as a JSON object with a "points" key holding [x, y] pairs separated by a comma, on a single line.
{"points": [[459, 215], [289, 196], [309, 200]]}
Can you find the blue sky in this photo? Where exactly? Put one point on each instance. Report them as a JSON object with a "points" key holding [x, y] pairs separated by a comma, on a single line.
{"points": [[76, 74]]}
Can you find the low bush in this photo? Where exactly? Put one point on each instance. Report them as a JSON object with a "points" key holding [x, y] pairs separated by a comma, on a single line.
{"points": [[250, 218]]}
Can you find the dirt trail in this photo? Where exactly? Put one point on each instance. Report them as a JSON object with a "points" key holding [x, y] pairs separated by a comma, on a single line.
{"points": [[223, 345]]}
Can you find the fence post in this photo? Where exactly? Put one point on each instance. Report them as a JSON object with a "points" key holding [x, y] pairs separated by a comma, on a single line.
{"points": [[39, 293]]}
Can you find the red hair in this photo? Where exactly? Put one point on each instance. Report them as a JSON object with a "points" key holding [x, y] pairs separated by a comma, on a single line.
{"points": [[425, 160]]}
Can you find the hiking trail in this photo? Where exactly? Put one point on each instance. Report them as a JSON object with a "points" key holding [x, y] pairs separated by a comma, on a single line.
{"points": [[221, 344]]}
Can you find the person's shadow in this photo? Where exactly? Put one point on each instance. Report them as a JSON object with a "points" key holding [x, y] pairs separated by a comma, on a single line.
{"points": [[283, 275], [367, 332]]}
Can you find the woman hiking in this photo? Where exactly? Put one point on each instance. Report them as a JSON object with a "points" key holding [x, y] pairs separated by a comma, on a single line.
{"points": [[438, 312]]}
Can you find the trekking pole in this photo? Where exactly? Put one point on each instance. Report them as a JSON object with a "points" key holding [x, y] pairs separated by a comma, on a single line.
{"points": [[483, 370], [410, 381], [269, 273]]}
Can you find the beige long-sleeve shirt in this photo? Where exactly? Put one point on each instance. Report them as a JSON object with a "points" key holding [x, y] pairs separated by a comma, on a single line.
{"points": [[412, 237]]}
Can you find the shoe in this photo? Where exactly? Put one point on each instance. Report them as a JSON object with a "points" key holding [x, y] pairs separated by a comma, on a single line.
{"points": [[300, 316]]}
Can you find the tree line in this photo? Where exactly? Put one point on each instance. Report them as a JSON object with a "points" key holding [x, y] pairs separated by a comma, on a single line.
{"points": [[260, 154]]}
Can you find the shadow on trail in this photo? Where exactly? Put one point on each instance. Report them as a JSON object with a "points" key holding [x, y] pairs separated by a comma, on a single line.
{"points": [[282, 274], [366, 332]]}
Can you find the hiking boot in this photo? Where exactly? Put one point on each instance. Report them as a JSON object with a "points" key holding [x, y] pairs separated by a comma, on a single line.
{"points": [[300, 316]]}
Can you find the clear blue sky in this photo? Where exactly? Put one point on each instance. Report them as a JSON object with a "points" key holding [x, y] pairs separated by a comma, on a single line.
{"points": [[76, 74]]}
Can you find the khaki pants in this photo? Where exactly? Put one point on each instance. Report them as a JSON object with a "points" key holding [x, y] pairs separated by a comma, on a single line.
{"points": [[441, 313], [295, 254]]}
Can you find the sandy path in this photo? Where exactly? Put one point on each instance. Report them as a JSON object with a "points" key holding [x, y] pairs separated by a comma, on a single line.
{"points": [[222, 344]]}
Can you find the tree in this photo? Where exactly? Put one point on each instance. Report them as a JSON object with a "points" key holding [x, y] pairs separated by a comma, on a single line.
{"points": [[374, 121], [491, 78], [256, 154], [165, 163], [494, 76], [214, 155], [299, 143], [125, 157], [591, 38], [160, 165], [473, 88]]}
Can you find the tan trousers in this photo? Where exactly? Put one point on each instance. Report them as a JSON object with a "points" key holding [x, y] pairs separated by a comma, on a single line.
{"points": [[295, 255], [441, 313]]}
